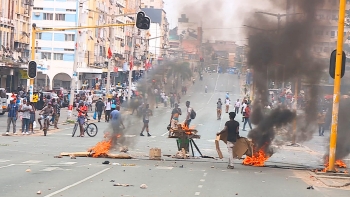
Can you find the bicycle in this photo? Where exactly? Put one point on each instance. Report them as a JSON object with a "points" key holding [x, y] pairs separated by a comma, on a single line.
{"points": [[89, 128]]}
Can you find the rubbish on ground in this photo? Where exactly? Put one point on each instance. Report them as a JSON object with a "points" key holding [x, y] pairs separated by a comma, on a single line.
{"points": [[211, 166], [182, 166], [76, 154], [122, 185], [59, 156], [116, 164], [123, 149], [90, 154], [310, 187], [72, 157], [105, 162], [28, 170], [155, 154], [112, 181], [143, 186], [38, 192], [128, 164]]}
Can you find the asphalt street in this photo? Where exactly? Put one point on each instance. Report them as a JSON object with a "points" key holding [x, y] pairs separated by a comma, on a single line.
{"points": [[27, 163]]}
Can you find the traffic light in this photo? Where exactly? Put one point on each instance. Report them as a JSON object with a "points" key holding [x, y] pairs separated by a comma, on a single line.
{"points": [[142, 21], [32, 69], [332, 64]]}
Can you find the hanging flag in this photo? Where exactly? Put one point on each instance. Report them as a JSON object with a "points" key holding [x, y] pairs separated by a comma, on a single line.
{"points": [[109, 56]]}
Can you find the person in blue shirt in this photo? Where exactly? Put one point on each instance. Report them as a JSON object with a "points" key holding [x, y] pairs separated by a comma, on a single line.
{"points": [[116, 122], [12, 109]]}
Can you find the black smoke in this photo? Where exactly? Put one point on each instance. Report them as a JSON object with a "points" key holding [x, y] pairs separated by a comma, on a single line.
{"points": [[283, 54]]}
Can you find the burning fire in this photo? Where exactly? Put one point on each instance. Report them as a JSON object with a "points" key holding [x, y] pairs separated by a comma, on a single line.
{"points": [[188, 130], [338, 163], [101, 148], [258, 159]]}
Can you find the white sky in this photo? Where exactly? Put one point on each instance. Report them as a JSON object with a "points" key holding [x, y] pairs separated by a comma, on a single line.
{"points": [[233, 9]]}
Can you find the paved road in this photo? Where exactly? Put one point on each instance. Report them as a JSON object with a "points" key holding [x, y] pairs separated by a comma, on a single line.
{"points": [[198, 177]]}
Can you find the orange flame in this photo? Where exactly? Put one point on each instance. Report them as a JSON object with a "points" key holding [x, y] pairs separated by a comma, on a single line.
{"points": [[188, 130], [258, 159], [101, 148], [338, 164]]}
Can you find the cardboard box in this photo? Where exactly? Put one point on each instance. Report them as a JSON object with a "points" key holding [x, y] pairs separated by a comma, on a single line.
{"points": [[155, 154], [243, 146]]}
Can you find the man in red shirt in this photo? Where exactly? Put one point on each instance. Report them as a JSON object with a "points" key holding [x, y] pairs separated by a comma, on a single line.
{"points": [[246, 117], [82, 109]]}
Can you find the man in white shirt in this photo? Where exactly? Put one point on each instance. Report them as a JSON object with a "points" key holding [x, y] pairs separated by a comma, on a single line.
{"points": [[188, 116], [89, 101], [227, 103], [244, 105], [237, 106], [108, 108]]}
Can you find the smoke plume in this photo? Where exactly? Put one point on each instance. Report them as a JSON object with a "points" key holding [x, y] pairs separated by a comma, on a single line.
{"points": [[283, 55]]}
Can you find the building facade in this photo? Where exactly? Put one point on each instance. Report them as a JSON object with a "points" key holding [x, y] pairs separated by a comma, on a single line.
{"points": [[14, 42], [155, 4]]}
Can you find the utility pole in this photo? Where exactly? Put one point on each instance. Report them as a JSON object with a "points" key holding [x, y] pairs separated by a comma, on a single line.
{"points": [[131, 61], [337, 81], [109, 67], [75, 76]]}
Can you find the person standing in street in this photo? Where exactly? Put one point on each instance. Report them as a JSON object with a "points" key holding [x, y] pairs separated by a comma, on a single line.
{"points": [[188, 116], [237, 106], [227, 104], [206, 89], [146, 114], [232, 130], [82, 110], [175, 111], [247, 117], [321, 121], [172, 100], [218, 109], [244, 105], [108, 108], [12, 116], [89, 101], [25, 109], [32, 118], [99, 106], [57, 112]]}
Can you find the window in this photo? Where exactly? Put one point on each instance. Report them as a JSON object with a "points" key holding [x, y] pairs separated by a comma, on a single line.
{"points": [[60, 17], [58, 56], [48, 16], [46, 55], [69, 37], [38, 36]]}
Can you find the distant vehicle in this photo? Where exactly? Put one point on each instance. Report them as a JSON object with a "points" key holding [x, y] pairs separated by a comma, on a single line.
{"points": [[3, 101]]}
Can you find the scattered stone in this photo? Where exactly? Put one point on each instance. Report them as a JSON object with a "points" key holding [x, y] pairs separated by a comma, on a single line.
{"points": [[182, 166], [59, 156], [28, 170], [236, 194], [72, 157], [143, 186], [310, 187], [105, 162], [212, 166], [38, 192], [112, 181], [123, 149], [122, 185]]}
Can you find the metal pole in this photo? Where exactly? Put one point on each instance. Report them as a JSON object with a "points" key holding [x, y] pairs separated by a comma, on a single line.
{"points": [[337, 82], [131, 61], [111, 38], [31, 80], [75, 66]]}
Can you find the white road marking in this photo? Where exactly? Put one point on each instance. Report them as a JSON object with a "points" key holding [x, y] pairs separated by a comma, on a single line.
{"points": [[49, 169], [166, 133], [205, 174], [153, 136], [200, 186], [3, 160], [202, 180], [211, 140], [77, 183], [164, 168], [197, 193], [32, 162], [67, 163], [129, 135], [7, 166], [216, 84]]}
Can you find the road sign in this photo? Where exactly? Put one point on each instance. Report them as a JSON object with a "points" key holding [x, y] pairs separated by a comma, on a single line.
{"points": [[35, 97]]}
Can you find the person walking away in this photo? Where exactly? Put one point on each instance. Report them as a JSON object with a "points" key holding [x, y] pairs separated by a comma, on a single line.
{"points": [[99, 106], [12, 116], [113, 104], [244, 105], [189, 114], [206, 89], [247, 118], [172, 100], [116, 121], [146, 114], [232, 129], [166, 98], [32, 118], [57, 112], [218, 109], [82, 110], [237, 106], [108, 108], [89, 101], [26, 108], [321, 122], [227, 104]]}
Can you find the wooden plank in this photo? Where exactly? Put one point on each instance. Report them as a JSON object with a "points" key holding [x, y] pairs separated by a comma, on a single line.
{"points": [[76, 154], [119, 156]]}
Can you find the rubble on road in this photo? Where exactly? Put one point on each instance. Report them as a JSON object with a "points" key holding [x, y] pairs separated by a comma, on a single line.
{"points": [[143, 186], [90, 154], [122, 185]]}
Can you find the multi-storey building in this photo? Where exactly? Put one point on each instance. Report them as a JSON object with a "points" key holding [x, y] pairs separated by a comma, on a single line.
{"points": [[157, 4], [14, 42]]}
